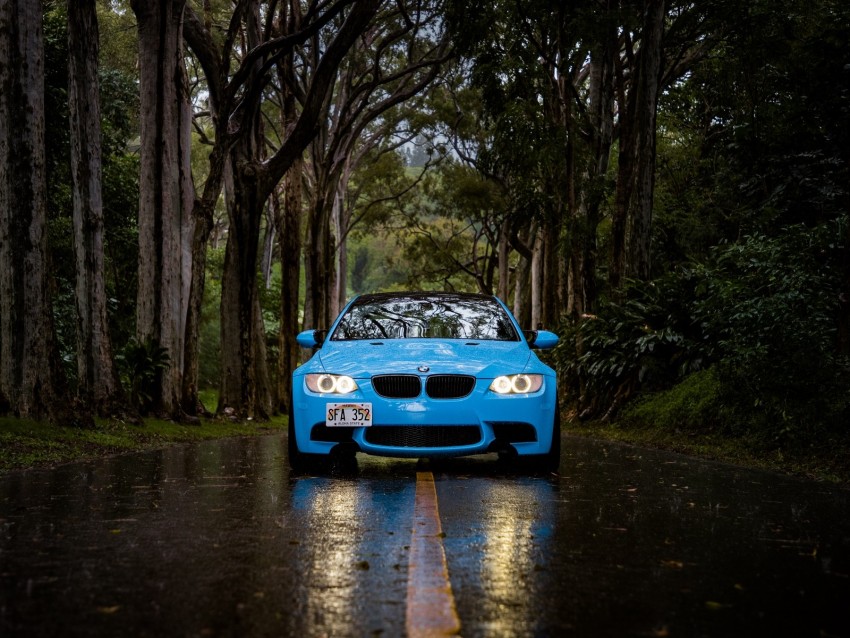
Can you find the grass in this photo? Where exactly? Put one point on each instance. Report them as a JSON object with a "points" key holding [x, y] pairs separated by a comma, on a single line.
{"points": [[696, 418], [827, 461], [27, 444]]}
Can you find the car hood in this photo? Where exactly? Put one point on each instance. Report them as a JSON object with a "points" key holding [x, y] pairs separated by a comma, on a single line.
{"points": [[484, 359]]}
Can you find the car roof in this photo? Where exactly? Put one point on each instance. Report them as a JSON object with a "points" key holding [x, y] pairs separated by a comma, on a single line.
{"points": [[419, 295]]}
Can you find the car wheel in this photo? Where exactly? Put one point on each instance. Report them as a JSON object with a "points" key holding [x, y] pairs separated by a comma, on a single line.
{"points": [[299, 461]]}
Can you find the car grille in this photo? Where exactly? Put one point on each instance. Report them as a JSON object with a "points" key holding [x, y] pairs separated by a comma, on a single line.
{"points": [[423, 436], [397, 386], [449, 386]]}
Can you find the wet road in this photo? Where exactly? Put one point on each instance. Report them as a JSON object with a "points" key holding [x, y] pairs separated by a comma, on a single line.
{"points": [[217, 539]]}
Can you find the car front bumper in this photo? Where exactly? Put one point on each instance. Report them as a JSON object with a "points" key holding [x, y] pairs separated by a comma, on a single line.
{"points": [[479, 423]]}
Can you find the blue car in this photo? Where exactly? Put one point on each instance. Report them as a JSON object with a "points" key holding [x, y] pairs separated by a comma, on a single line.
{"points": [[424, 375]]}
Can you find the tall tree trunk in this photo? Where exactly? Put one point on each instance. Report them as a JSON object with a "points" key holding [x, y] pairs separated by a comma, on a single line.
{"points": [[341, 278], [521, 307], [166, 193], [315, 263], [625, 169], [537, 278], [504, 266], [98, 384], [289, 233], [30, 377], [244, 387], [646, 106], [582, 266], [190, 401], [332, 256], [290, 257], [550, 302], [638, 103]]}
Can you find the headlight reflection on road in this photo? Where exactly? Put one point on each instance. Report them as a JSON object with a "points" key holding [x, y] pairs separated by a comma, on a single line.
{"points": [[330, 551], [352, 554], [516, 521]]}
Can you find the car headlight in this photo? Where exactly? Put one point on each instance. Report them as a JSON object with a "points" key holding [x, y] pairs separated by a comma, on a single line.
{"points": [[331, 383], [517, 384]]}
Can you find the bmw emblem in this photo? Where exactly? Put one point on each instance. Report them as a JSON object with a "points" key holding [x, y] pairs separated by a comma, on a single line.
{"points": [[423, 368]]}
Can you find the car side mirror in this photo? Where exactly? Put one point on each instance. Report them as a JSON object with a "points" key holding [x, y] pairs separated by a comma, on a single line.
{"points": [[311, 338], [541, 339]]}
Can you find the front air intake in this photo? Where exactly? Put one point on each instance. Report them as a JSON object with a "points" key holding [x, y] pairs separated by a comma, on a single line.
{"points": [[423, 436]]}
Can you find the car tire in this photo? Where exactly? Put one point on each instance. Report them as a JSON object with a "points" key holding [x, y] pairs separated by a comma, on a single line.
{"points": [[300, 462]]}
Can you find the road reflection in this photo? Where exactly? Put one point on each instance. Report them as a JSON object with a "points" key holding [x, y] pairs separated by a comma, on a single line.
{"points": [[203, 540], [219, 539], [499, 528], [353, 554], [631, 542]]}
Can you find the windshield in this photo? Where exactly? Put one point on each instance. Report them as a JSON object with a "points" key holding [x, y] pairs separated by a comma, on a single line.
{"points": [[426, 317]]}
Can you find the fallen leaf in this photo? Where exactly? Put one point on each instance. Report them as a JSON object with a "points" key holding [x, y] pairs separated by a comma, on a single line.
{"points": [[712, 605], [108, 610]]}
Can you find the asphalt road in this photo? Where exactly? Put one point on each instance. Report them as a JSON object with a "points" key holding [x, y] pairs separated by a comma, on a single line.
{"points": [[218, 539]]}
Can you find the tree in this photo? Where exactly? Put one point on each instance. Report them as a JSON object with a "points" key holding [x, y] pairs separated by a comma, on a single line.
{"points": [[166, 193], [637, 105], [238, 154], [398, 56], [31, 383], [97, 378], [529, 63]]}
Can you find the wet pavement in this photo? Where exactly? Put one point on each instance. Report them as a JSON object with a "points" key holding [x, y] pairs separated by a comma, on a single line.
{"points": [[218, 539]]}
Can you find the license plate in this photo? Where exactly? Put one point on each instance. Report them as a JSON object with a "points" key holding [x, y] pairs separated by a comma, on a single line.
{"points": [[348, 415]]}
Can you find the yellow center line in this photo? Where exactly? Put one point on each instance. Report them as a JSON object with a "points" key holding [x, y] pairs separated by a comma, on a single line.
{"points": [[430, 603]]}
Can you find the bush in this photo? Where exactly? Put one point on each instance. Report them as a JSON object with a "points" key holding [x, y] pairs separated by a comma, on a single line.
{"points": [[140, 363], [697, 404], [647, 341], [768, 308], [761, 313]]}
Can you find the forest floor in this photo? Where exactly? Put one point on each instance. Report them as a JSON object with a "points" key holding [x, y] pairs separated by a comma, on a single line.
{"points": [[27, 444]]}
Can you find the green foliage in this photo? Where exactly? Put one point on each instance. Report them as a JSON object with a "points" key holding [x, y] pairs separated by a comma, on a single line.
{"points": [[209, 359], [763, 120], [121, 242], [120, 190], [140, 363], [761, 314], [697, 404], [769, 308], [645, 341], [119, 108]]}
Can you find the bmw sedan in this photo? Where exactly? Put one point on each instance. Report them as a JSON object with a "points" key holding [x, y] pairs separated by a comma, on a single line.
{"points": [[424, 375]]}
